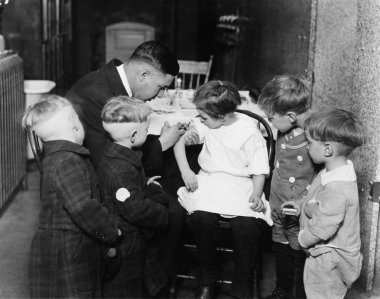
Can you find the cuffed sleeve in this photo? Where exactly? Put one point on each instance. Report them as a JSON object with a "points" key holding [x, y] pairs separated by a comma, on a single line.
{"points": [[326, 218]]}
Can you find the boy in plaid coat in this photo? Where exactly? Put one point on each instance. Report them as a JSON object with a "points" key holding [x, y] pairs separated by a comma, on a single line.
{"points": [[64, 256], [150, 219]]}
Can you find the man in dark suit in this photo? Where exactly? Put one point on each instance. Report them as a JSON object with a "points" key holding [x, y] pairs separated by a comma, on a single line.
{"points": [[147, 74]]}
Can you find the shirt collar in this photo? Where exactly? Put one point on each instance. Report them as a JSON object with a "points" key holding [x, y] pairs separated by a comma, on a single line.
{"points": [[124, 79], [53, 146], [345, 173], [118, 151]]}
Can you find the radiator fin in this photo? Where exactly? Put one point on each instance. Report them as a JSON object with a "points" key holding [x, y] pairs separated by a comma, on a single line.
{"points": [[12, 137]]}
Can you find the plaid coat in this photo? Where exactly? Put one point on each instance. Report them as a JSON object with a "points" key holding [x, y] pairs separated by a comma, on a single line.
{"points": [[64, 253], [88, 95], [142, 212]]}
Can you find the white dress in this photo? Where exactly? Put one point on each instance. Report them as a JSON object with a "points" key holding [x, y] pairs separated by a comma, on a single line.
{"points": [[229, 157]]}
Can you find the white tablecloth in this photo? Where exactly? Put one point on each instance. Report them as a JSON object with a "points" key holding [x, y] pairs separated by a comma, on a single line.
{"points": [[183, 110]]}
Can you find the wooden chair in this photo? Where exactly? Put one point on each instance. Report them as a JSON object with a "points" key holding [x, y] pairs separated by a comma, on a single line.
{"points": [[194, 73], [36, 148], [188, 244]]}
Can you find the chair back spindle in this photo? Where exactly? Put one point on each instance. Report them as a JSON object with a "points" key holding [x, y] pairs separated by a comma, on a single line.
{"points": [[194, 73], [36, 148]]}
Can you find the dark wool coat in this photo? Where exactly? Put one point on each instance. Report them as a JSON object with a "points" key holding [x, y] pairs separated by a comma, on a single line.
{"points": [[88, 95], [145, 214], [64, 254]]}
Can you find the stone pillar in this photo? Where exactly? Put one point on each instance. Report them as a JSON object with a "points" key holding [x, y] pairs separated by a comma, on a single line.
{"points": [[346, 66], [366, 103]]}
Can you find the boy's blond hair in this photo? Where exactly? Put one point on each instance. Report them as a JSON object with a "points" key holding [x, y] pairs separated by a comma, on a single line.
{"points": [[36, 115], [123, 114], [123, 109], [43, 110], [337, 125], [285, 93]]}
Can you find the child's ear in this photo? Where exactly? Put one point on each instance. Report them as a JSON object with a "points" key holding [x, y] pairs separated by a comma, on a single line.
{"points": [[132, 138], [292, 117], [328, 149]]}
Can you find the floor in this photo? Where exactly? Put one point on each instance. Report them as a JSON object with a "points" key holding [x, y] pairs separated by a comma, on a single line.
{"points": [[18, 221]]}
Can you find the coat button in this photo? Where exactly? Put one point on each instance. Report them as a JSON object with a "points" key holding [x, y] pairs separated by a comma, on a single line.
{"points": [[283, 146], [292, 179], [299, 158], [308, 187]]}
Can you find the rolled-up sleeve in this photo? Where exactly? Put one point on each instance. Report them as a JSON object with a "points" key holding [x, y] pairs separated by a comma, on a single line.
{"points": [[198, 127], [256, 153]]}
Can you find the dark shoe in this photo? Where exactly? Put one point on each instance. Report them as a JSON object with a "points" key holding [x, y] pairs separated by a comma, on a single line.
{"points": [[206, 292], [279, 293]]}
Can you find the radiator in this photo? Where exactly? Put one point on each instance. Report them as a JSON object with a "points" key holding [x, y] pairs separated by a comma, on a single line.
{"points": [[12, 137]]}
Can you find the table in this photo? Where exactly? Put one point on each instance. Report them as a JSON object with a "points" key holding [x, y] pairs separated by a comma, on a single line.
{"points": [[183, 110]]}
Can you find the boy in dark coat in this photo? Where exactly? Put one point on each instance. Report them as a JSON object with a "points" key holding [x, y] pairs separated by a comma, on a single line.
{"points": [[150, 219], [64, 256]]}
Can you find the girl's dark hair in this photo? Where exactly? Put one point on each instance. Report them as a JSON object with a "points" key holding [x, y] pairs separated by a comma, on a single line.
{"points": [[217, 98], [283, 94], [158, 56], [336, 125]]}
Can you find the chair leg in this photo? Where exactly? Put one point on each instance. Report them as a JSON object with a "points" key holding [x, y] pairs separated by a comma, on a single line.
{"points": [[256, 281], [257, 272]]}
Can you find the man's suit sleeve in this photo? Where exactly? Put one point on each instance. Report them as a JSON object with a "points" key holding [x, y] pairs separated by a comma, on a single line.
{"points": [[152, 156]]}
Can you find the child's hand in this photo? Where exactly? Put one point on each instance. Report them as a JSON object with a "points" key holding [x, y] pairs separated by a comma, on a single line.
{"points": [[191, 138], [290, 208], [257, 204], [190, 180], [153, 180]]}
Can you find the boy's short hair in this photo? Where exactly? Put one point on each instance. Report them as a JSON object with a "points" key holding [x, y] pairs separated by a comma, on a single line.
{"points": [[156, 55], [285, 93], [123, 109], [217, 98], [336, 125], [42, 110]]}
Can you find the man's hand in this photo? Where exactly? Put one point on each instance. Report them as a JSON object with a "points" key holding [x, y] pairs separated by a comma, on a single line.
{"points": [[257, 204], [190, 180], [170, 135], [191, 138]]}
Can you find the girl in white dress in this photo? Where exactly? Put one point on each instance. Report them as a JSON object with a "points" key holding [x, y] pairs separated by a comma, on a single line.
{"points": [[234, 165]]}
